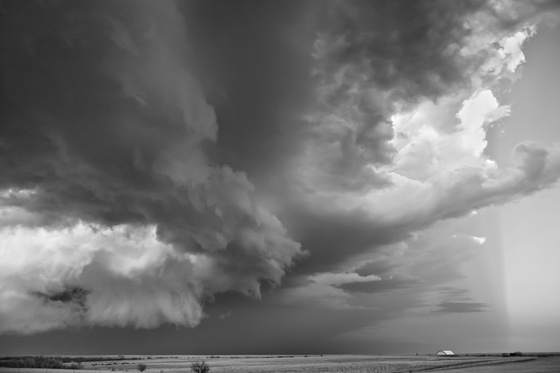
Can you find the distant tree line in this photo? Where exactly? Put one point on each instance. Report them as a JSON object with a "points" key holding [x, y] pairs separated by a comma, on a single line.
{"points": [[55, 362], [39, 362]]}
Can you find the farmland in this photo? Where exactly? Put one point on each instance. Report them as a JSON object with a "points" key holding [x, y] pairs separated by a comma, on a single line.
{"points": [[318, 363]]}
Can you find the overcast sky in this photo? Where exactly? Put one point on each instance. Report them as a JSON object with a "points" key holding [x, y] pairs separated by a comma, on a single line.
{"points": [[222, 177]]}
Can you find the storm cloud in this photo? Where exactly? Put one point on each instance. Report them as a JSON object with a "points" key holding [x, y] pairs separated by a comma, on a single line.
{"points": [[158, 155], [106, 183]]}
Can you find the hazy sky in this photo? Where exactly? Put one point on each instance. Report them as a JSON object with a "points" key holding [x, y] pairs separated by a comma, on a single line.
{"points": [[228, 177]]}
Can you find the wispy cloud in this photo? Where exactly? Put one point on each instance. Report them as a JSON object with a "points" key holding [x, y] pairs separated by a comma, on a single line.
{"points": [[460, 307]]}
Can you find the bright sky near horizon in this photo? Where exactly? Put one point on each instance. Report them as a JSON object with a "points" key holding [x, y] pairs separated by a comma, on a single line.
{"points": [[529, 228], [279, 177]]}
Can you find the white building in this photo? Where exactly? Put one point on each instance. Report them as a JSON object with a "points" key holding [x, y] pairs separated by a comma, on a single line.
{"points": [[445, 353]]}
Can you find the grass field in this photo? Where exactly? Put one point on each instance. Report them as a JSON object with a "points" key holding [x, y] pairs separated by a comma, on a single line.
{"points": [[324, 364]]}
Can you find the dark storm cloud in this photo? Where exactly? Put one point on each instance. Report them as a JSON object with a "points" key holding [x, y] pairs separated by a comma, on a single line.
{"points": [[358, 45], [104, 142], [254, 63], [133, 117], [408, 48], [66, 112]]}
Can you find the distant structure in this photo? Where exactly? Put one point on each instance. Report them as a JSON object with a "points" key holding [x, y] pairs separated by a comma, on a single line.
{"points": [[445, 353]]}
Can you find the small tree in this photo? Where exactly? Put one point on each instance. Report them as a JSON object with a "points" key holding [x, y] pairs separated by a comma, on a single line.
{"points": [[141, 367], [200, 367]]}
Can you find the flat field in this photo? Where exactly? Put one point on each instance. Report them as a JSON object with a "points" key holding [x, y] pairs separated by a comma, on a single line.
{"points": [[323, 364]]}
